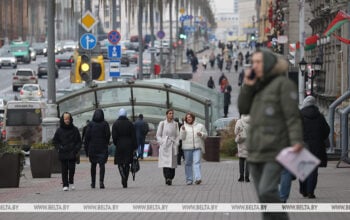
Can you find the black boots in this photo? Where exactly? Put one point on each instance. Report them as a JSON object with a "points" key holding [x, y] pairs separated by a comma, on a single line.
{"points": [[241, 179], [93, 175], [124, 170]]}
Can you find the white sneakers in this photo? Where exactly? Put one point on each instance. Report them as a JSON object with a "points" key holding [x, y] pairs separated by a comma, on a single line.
{"points": [[72, 187]]}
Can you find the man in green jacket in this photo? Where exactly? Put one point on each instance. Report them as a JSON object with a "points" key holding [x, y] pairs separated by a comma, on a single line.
{"points": [[271, 99]]}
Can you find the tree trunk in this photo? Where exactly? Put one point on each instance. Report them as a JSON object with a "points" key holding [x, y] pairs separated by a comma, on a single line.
{"points": [[140, 15], [151, 11], [161, 28], [170, 58]]}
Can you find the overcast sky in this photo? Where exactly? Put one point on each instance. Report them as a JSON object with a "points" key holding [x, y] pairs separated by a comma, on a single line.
{"points": [[226, 5]]}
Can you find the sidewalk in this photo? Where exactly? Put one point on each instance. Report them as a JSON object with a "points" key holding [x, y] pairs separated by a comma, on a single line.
{"points": [[219, 185]]}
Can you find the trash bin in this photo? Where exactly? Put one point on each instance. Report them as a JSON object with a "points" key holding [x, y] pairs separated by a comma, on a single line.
{"points": [[212, 149]]}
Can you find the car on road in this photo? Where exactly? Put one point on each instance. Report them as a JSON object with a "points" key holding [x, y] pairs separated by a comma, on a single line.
{"points": [[124, 60], [23, 76], [31, 92], [64, 60], [32, 54], [132, 55], [43, 69], [39, 48], [69, 46], [7, 59]]}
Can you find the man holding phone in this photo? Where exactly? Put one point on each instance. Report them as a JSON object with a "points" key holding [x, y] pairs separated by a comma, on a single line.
{"points": [[271, 100]]}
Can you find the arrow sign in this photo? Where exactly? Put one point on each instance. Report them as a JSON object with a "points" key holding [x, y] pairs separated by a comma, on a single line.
{"points": [[114, 52], [88, 41]]}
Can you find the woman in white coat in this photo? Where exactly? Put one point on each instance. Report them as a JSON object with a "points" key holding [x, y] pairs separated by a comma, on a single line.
{"points": [[168, 139], [241, 130], [193, 135]]}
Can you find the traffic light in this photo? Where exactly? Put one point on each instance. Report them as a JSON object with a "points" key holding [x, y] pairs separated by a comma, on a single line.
{"points": [[85, 67]]}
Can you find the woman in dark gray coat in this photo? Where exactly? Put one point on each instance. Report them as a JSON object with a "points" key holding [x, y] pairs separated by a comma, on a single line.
{"points": [[97, 139], [124, 139]]}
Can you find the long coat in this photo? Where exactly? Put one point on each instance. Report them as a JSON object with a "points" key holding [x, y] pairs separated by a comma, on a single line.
{"points": [[168, 139], [316, 131], [124, 139], [241, 132], [97, 138], [67, 140]]}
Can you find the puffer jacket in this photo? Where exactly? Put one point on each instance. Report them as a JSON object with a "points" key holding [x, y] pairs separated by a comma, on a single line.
{"points": [[272, 104], [241, 132], [190, 139]]}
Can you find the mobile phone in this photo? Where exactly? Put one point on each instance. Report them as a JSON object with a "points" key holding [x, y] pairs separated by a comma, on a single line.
{"points": [[252, 75]]}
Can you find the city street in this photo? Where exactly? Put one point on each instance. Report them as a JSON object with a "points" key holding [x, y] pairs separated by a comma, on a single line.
{"points": [[62, 82]]}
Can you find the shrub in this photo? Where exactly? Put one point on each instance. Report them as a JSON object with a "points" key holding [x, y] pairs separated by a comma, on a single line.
{"points": [[228, 145], [43, 146]]}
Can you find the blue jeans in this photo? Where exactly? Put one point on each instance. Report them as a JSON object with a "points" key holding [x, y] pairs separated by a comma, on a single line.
{"points": [[285, 185], [192, 165]]}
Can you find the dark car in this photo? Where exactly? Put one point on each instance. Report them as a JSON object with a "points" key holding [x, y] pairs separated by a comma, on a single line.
{"points": [[64, 60], [124, 60], [42, 70], [40, 48]]}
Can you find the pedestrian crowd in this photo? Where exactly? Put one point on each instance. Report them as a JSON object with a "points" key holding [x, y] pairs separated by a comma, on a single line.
{"points": [[176, 140]]}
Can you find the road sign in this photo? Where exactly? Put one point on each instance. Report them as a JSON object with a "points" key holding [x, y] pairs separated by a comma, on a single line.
{"points": [[114, 52], [114, 37], [114, 68], [88, 41], [88, 21], [160, 34], [182, 11]]}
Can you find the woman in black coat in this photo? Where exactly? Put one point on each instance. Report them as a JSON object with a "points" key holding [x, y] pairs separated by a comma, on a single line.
{"points": [[316, 131], [97, 139], [67, 141], [124, 139]]}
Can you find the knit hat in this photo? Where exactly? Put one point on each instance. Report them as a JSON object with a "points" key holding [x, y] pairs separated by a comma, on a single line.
{"points": [[122, 112], [309, 101], [269, 59]]}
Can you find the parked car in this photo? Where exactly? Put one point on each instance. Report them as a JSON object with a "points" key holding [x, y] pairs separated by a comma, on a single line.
{"points": [[43, 69], [23, 76], [132, 55], [7, 59], [31, 92], [64, 60]]}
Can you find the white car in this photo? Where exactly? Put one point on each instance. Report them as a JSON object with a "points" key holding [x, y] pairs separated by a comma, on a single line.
{"points": [[7, 59], [31, 92]]}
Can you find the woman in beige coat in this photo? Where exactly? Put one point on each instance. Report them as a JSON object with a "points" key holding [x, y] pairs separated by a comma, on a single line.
{"points": [[168, 139], [241, 130]]}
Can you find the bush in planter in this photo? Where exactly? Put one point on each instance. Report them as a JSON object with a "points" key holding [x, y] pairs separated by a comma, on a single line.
{"points": [[40, 160], [11, 165], [228, 145]]}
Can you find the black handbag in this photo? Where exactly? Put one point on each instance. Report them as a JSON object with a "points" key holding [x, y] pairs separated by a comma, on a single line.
{"points": [[135, 166]]}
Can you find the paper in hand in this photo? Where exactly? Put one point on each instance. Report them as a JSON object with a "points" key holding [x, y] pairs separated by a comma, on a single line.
{"points": [[301, 164]]}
